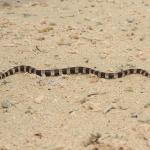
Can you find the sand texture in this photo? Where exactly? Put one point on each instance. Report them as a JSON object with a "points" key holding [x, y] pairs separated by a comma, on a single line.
{"points": [[77, 112]]}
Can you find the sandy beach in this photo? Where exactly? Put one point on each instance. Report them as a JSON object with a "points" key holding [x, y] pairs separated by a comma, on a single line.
{"points": [[75, 112]]}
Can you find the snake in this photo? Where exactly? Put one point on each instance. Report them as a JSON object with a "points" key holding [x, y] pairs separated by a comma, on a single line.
{"points": [[72, 70]]}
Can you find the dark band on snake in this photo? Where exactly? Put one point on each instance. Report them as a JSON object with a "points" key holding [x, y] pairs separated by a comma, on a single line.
{"points": [[72, 70]]}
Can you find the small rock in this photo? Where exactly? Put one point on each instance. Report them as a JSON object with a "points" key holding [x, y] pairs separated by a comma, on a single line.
{"points": [[147, 105], [94, 79], [99, 23], [141, 38], [3, 148], [95, 107], [74, 36], [39, 135], [63, 42], [52, 24], [6, 4], [34, 4], [130, 19], [56, 82], [39, 99], [26, 15], [149, 142], [92, 94], [90, 28], [84, 100], [46, 29], [29, 110], [40, 38], [6, 104], [129, 89], [70, 28], [92, 5], [134, 115], [93, 139], [43, 22], [144, 117], [109, 109]]}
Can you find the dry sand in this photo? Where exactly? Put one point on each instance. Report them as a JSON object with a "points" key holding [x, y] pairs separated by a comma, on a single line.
{"points": [[75, 112]]}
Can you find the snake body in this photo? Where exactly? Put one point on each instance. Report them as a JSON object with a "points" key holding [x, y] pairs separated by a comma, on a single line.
{"points": [[72, 70]]}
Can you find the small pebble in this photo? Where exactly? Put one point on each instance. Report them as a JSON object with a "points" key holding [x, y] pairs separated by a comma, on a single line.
{"points": [[5, 4], [39, 99], [93, 79], [43, 22], [141, 38], [93, 139], [84, 100], [92, 94], [90, 28], [39, 135], [74, 36], [134, 115], [6, 104], [56, 82], [144, 117], [109, 109], [92, 5], [63, 42], [147, 105], [149, 142], [3, 148], [34, 4], [130, 19], [40, 38], [29, 110], [26, 15], [99, 23], [129, 89], [46, 29], [52, 24]]}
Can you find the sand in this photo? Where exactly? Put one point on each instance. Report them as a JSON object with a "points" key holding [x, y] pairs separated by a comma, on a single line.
{"points": [[79, 112]]}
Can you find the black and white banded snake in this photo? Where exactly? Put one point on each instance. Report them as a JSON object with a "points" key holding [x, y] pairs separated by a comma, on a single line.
{"points": [[72, 70]]}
